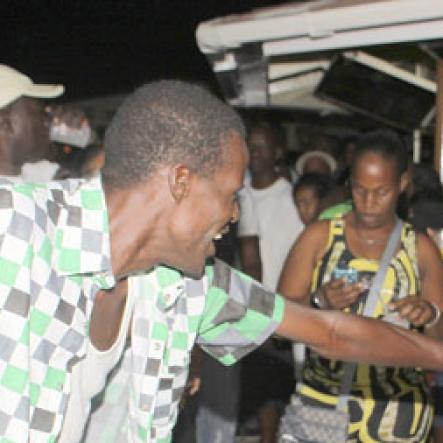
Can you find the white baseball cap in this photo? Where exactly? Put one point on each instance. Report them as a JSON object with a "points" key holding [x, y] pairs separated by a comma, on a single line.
{"points": [[327, 158], [14, 84]]}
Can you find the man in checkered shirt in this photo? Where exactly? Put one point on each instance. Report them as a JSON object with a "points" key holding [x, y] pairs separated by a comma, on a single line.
{"points": [[175, 161]]}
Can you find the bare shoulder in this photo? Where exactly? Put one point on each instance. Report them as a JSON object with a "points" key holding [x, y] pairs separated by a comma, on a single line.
{"points": [[429, 257], [295, 279], [313, 240], [317, 233], [427, 252]]}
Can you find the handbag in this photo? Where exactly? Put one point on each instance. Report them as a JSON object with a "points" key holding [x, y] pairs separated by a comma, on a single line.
{"points": [[302, 423]]}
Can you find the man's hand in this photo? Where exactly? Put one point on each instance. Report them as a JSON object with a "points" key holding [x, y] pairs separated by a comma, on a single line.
{"points": [[338, 294], [69, 125], [72, 117], [193, 386], [415, 310]]}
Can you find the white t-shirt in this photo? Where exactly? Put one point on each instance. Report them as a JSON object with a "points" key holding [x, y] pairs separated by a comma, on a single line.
{"points": [[39, 172], [270, 214], [89, 377]]}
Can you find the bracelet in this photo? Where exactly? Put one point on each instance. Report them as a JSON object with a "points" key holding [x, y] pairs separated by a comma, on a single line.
{"points": [[318, 300], [437, 313]]}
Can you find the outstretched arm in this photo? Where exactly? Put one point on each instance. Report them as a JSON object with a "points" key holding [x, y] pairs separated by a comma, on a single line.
{"points": [[349, 337]]}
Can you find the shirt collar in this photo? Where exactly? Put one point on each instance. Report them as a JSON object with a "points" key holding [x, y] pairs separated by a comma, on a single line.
{"points": [[82, 241]]}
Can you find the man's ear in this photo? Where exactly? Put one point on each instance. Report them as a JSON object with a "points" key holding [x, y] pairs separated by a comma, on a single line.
{"points": [[179, 181], [5, 121]]}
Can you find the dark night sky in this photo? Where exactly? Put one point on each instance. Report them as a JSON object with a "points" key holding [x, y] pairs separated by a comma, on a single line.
{"points": [[98, 47]]}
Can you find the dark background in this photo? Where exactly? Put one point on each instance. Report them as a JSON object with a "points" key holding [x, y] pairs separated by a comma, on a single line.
{"points": [[100, 47]]}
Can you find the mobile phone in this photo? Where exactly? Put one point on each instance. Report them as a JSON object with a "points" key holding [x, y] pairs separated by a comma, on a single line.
{"points": [[350, 275], [394, 318]]}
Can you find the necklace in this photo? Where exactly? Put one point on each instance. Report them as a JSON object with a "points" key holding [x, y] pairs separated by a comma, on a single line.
{"points": [[370, 241]]}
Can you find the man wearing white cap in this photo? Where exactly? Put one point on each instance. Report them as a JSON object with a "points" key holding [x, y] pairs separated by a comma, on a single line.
{"points": [[24, 131]]}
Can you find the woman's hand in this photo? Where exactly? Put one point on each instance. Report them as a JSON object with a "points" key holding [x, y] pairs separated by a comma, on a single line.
{"points": [[416, 310], [338, 294]]}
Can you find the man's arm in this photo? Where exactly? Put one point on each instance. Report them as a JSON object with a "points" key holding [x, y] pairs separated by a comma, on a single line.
{"points": [[107, 314], [250, 256], [337, 335], [248, 234]]}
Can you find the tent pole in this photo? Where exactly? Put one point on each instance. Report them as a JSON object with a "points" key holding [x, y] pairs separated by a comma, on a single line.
{"points": [[439, 122], [416, 136]]}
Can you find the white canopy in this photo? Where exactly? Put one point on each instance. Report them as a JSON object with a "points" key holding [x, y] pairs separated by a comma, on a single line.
{"points": [[245, 51], [325, 24]]}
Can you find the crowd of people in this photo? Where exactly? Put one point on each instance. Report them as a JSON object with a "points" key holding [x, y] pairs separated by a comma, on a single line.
{"points": [[111, 289]]}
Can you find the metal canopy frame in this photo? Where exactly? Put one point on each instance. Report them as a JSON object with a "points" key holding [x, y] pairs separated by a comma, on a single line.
{"points": [[309, 29]]}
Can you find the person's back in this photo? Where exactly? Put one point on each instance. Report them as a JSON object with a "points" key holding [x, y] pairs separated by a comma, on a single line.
{"points": [[47, 292]]}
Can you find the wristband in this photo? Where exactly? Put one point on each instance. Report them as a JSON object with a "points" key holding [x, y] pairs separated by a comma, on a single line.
{"points": [[437, 313]]}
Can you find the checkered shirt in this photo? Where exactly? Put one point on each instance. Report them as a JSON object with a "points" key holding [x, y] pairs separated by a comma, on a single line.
{"points": [[226, 312], [54, 256]]}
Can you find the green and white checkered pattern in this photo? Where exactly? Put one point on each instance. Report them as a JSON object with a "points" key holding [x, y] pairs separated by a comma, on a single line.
{"points": [[226, 312], [54, 256]]}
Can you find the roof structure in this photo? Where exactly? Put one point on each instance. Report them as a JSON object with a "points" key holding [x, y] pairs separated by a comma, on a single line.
{"points": [[331, 56]]}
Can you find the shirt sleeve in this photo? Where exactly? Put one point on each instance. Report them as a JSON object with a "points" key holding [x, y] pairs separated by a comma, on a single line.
{"points": [[335, 211], [248, 222], [239, 314]]}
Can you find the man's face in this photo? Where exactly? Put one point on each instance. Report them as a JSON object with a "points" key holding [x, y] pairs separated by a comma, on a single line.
{"points": [[205, 214], [375, 189], [262, 151], [30, 141]]}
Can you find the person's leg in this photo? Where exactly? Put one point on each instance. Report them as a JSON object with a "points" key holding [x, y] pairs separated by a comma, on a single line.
{"points": [[184, 430], [269, 418], [437, 431], [278, 384], [219, 393], [437, 435]]}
